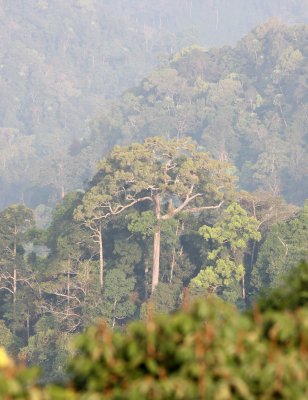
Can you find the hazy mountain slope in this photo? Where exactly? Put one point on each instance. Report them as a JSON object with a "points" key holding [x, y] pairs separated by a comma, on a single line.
{"points": [[247, 104], [61, 60], [218, 22]]}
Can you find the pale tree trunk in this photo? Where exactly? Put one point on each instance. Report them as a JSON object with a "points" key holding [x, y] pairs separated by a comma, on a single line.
{"points": [[239, 259], [156, 248], [62, 192], [87, 279], [15, 269], [68, 289], [28, 326], [114, 314], [243, 287], [173, 255], [101, 258], [190, 8], [156, 257], [14, 284], [172, 265], [14, 280]]}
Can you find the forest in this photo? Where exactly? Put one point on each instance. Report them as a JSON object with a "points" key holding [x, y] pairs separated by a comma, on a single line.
{"points": [[208, 350], [63, 63], [159, 218], [154, 200]]}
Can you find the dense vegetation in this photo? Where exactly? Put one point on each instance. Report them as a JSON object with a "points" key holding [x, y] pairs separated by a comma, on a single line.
{"points": [[208, 351], [246, 104], [158, 219], [62, 61], [199, 190]]}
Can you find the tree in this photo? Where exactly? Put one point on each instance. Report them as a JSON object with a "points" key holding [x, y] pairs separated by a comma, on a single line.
{"points": [[46, 346], [6, 336], [118, 302], [207, 351], [285, 245], [172, 177], [70, 276], [268, 210], [97, 206], [15, 221], [231, 235]]}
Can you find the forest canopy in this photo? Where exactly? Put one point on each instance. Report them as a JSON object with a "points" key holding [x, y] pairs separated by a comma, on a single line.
{"points": [[153, 200], [63, 62], [246, 104], [160, 219], [207, 351]]}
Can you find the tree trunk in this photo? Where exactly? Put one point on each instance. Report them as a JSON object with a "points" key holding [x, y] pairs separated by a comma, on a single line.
{"points": [[14, 284], [174, 254], [101, 258], [243, 287], [114, 314], [156, 256], [15, 270], [62, 192], [156, 249], [68, 289], [87, 279], [14, 281], [172, 265], [28, 326]]}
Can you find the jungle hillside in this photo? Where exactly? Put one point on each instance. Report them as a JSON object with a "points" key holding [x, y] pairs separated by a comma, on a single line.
{"points": [[153, 199]]}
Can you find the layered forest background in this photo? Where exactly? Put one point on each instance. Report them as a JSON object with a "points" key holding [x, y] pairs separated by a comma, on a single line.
{"points": [[122, 125], [62, 63]]}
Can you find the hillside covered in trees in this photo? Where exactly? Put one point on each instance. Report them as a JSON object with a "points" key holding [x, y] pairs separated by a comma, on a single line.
{"points": [[62, 61], [246, 104], [140, 171], [160, 219]]}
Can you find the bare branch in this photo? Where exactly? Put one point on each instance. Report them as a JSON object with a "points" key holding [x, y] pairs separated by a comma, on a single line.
{"points": [[284, 245], [199, 209], [110, 211], [6, 288], [63, 295]]}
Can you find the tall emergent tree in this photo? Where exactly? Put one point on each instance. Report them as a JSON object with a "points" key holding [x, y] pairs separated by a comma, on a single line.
{"points": [[15, 221], [171, 176]]}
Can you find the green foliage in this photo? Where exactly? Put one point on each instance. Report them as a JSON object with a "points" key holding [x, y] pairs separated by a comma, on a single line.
{"points": [[14, 222], [283, 248], [207, 351], [143, 223], [235, 228], [211, 352], [6, 336], [231, 235], [292, 295], [238, 103], [146, 222], [167, 177], [118, 305], [58, 78], [17, 382], [246, 104], [166, 298], [223, 274]]}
